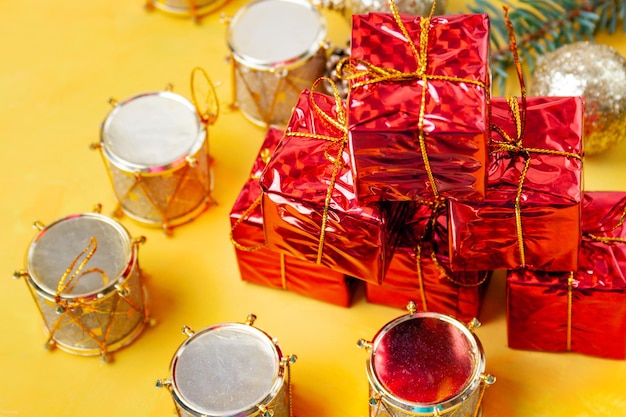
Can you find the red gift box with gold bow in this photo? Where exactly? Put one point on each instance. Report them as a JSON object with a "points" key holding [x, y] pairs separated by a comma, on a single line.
{"points": [[309, 207], [260, 265], [531, 213], [580, 311], [420, 272], [418, 106]]}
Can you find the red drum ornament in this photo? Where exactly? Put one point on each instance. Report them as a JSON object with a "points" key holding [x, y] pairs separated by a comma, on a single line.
{"points": [[426, 364]]}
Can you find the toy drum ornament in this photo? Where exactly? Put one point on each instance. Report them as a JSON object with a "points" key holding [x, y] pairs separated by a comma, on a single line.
{"points": [[230, 369], [84, 276], [278, 49], [194, 8], [155, 148], [426, 364]]}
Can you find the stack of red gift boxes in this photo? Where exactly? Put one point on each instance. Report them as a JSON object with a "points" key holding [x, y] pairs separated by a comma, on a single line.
{"points": [[420, 184]]}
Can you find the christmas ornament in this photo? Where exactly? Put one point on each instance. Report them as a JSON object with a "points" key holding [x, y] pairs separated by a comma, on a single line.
{"points": [[598, 74]]}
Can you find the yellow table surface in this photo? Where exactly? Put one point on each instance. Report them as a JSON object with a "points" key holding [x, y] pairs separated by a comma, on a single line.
{"points": [[60, 63]]}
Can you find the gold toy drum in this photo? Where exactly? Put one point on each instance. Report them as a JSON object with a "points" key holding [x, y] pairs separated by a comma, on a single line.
{"points": [[426, 364], [155, 148], [230, 369], [83, 273], [278, 49], [184, 8]]}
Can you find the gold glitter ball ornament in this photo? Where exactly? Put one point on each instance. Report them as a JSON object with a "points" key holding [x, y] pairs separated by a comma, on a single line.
{"points": [[595, 72]]}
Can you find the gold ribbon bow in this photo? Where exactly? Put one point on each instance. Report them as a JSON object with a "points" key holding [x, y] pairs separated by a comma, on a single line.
{"points": [[515, 145], [349, 69]]}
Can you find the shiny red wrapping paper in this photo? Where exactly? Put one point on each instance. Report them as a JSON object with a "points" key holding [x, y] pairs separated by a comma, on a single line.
{"points": [[384, 116], [356, 240], [484, 235], [433, 287], [272, 269], [538, 303]]}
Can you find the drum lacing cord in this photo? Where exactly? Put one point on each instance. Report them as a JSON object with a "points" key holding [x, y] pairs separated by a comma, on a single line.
{"points": [[66, 284], [85, 305]]}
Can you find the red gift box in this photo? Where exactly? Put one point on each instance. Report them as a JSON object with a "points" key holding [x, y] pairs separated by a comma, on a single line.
{"points": [[259, 265], [309, 207], [419, 271], [583, 311], [418, 106], [531, 213]]}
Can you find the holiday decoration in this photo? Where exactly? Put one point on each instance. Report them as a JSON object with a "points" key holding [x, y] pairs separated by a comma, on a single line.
{"points": [[420, 270], [584, 310], [531, 214], [429, 362], [598, 74], [544, 26], [417, 108], [259, 265], [309, 207]]}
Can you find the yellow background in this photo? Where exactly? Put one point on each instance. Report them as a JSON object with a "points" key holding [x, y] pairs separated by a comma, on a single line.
{"points": [[60, 62]]}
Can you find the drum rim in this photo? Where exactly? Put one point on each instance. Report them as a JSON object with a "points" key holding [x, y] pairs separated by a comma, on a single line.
{"points": [[292, 62], [450, 403], [126, 340], [279, 378], [201, 10], [100, 293], [128, 166]]}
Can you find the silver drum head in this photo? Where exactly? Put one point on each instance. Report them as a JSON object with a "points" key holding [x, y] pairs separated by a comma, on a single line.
{"points": [[269, 33], [54, 248], [151, 131], [226, 369]]}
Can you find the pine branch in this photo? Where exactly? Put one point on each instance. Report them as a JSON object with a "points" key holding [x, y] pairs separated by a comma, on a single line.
{"points": [[542, 26]]}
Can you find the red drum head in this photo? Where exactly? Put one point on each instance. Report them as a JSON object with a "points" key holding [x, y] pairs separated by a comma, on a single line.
{"points": [[424, 359]]}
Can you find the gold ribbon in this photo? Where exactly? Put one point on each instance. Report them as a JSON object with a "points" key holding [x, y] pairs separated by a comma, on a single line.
{"points": [[515, 145], [265, 156], [570, 286], [348, 69], [283, 272], [336, 158], [209, 110]]}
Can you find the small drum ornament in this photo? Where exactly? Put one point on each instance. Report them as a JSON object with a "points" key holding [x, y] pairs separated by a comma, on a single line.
{"points": [[230, 369], [155, 148], [196, 9], [83, 273], [426, 364], [278, 48]]}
